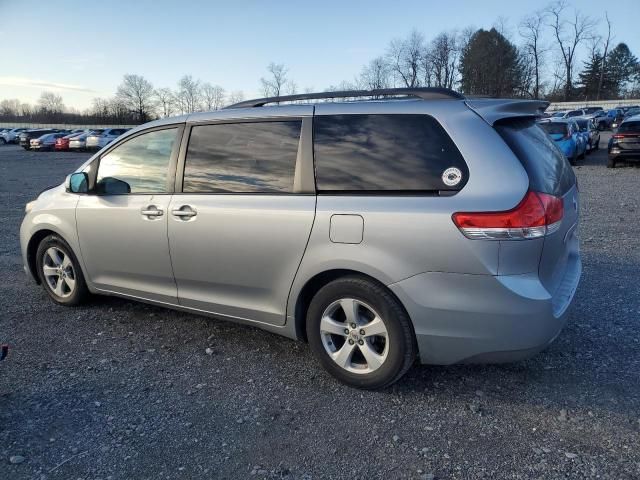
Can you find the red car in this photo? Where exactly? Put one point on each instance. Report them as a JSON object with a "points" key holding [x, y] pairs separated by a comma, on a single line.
{"points": [[63, 143]]}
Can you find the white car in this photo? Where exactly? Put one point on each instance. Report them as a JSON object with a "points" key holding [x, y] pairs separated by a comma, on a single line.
{"points": [[79, 142], [97, 141], [11, 136]]}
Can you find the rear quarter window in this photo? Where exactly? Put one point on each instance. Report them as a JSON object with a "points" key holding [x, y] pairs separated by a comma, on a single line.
{"points": [[548, 169], [385, 153]]}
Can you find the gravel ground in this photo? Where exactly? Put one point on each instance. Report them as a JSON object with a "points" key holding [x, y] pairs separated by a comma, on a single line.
{"points": [[123, 390]]}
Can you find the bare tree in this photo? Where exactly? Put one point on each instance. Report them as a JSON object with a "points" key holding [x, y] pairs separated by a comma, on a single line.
{"points": [[50, 102], [531, 29], [212, 96], [405, 57], [136, 93], [188, 95], [236, 96], [569, 34], [274, 84], [10, 107], [443, 54], [166, 101], [604, 55], [375, 74]]}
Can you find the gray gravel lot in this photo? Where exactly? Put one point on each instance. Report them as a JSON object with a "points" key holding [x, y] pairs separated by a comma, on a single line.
{"points": [[123, 390]]}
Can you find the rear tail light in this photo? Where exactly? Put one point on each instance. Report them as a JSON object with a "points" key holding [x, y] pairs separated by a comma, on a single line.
{"points": [[537, 215]]}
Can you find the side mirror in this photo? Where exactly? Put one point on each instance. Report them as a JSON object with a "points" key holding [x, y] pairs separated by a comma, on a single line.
{"points": [[113, 186], [77, 182]]}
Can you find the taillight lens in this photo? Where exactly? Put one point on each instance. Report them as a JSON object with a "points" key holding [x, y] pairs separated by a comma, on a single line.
{"points": [[537, 215]]}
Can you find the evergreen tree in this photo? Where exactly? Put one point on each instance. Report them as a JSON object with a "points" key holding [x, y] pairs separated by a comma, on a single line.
{"points": [[491, 65], [622, 66], [589, 78]]}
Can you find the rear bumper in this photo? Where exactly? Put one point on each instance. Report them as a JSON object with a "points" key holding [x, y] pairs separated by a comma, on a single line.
{"points": [[482, 318]]}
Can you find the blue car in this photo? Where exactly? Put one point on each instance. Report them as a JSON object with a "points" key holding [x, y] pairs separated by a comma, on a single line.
{"points": [[567, 137]]}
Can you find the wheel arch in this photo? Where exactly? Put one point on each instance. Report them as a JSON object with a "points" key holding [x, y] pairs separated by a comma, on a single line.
{"points": [[319, 280], [32, 248]]}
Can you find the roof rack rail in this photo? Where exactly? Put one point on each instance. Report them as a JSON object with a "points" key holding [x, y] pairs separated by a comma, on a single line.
{"points": [[425, 93]]}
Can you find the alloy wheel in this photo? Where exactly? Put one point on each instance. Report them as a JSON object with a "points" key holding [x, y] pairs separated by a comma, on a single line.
{"points": [[354, 336], [59, 272]]}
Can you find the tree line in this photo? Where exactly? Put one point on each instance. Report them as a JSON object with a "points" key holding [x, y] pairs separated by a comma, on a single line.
{"points": [[539, 60]]}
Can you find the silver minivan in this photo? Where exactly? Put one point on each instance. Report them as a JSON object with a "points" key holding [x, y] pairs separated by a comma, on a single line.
{"points": [[411, 224]]}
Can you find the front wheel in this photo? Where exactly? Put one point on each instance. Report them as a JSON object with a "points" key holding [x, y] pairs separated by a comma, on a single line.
{"points": [[360, 333], [59, 272]]}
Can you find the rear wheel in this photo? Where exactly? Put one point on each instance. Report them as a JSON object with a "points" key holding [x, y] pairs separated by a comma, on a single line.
{"points": [[611, 163], [574, 159], [60, 272], [597, 145], [360, 333]]}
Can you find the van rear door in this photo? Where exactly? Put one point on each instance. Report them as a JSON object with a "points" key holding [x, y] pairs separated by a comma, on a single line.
{"points": [[550, 173]]}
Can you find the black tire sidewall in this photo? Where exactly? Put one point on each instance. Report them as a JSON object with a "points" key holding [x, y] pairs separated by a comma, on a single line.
{"points": [[81, 287], [400, 334]]}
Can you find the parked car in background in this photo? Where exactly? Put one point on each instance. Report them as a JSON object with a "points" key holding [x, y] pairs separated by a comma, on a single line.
{"points": [[79, 142], [616, 115], [62, 143], [46, 142], [625, 142], [592, 110], [632, 112], [28, 135], [590, 132], [437, 261], [566, 135], [12, 135], [601, 120], [559, 114], [96, 141]]}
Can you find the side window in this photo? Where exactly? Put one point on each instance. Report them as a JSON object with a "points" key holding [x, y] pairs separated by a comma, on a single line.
{"points": [[139, 165], [399, 153], [257, 157]]}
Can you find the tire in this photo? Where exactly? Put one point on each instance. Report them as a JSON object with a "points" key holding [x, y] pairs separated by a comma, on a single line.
{"points": [[2, 141], [589, 148], [597, 145], [388, 355], [574, 159], [60, 288], [611, 163]]}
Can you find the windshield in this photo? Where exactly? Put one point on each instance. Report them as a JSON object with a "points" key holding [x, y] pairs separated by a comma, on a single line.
{"points": [[554, 128], [583, 124]]}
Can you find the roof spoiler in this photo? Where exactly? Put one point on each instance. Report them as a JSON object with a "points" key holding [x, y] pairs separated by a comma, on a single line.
{"points": [[492, 110]]}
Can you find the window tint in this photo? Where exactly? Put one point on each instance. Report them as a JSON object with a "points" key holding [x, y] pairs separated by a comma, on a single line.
{"points": [[257, 157], [575, 113], [629, 127], [547, 168], [384, 153], [142, 163], [554, 127]]}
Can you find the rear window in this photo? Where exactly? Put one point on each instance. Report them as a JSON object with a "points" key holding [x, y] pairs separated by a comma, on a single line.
{"points": [[547, 168], [629, 127], [575, 113], [554, 127], [392, 153]]}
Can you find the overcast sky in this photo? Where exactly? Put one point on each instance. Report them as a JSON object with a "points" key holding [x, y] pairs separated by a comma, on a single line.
{"points": [[81, 49]]}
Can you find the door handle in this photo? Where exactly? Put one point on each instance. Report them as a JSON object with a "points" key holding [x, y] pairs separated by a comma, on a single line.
{"points": [[152, 211], [184, 212]]}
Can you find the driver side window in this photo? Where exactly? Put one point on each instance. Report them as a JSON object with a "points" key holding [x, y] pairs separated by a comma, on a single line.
{"points": [[139, 165]]}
